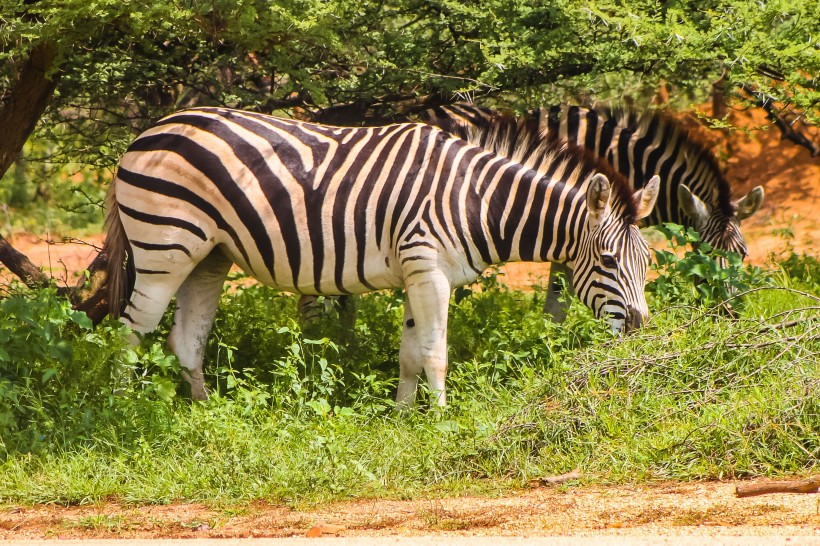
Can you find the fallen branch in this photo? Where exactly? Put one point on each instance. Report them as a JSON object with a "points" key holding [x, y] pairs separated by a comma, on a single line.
{"points": [[19, 264], [576, 474], [809, 485], [94, 304]]}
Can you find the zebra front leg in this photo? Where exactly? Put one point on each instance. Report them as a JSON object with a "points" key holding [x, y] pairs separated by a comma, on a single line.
{"points": [[554, 307], [197, 301], [424, 337], [410, 367]]}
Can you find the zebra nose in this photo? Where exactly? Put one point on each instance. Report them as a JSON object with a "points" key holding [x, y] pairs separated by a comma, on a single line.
{"points": [[634, 319]]}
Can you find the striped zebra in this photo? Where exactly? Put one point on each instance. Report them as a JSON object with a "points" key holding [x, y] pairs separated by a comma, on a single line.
{"points": [[314, 209], [693, 191]]}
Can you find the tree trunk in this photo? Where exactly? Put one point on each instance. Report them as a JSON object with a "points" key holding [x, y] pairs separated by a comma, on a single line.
{"points": [[25, 103], [20, 108]]}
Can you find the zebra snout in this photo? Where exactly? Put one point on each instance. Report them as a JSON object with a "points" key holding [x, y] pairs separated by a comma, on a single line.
{"points": [[634, 319]]}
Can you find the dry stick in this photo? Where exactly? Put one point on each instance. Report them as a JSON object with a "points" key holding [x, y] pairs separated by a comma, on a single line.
{"points": [[576, 474], [810, 485]]}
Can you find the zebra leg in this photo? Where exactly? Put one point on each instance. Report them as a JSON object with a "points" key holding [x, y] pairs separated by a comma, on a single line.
{"points": [[309, 310], [348, 309], [409, 367], [556, 309], [197, 301], [424, 337]]}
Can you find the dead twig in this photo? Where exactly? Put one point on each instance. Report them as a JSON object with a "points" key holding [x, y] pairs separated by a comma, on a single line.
{"points": [[809, 485]]}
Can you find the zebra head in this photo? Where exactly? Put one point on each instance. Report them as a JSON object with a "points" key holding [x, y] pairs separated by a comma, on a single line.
{"points": [[720, 226], [609, 272]]}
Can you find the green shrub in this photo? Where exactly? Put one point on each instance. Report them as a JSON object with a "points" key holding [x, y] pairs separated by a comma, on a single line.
{"points": [[703, 276], [303, 416], [61, 380]]}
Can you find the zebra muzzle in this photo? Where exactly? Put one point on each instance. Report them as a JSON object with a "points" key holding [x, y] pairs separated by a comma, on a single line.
{"points": [[634, 319]]}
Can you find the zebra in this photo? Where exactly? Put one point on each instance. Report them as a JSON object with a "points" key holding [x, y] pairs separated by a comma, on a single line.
{"points": [[693, 192], [315, 209]]}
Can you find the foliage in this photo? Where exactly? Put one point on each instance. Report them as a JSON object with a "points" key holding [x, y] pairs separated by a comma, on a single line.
{"points": [[350, 61], [703, 275], [59, 377], [59, 197], [303, 416]]}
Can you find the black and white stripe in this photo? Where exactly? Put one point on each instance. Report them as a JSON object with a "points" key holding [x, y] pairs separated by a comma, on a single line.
{"points": [[693, 190], [315, 209]]}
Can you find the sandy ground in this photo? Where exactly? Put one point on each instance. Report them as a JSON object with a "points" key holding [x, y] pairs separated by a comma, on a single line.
{"points": [[670, 509]]}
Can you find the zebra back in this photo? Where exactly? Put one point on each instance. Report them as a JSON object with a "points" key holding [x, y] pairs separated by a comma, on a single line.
{"points": [[693, 192]]}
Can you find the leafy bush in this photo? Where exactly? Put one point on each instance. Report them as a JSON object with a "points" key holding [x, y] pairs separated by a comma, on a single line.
{"points": [[302, 416], [61, 380], [703, 276]]}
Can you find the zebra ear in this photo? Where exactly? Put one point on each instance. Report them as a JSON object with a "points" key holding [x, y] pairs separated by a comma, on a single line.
{"points": [[692, 205], [646, 197], [749, 203], [598, 194]]}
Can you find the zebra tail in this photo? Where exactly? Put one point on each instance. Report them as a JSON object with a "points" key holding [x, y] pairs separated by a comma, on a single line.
{"points": [[120, 268]]}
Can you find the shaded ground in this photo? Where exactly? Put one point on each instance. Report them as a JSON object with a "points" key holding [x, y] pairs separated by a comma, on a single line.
{"points": [[705, 509]]}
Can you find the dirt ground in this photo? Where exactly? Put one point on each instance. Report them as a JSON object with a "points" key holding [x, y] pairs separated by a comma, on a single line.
{"points": [[702, 509], [791, 179]]}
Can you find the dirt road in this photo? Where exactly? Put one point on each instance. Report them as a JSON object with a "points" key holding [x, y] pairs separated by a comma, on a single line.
{"points": [[454, 541], [707, 509]]}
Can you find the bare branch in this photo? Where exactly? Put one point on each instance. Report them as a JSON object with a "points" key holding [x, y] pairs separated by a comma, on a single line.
{"points": [[576, 474], [19, 264], [788, 132]]}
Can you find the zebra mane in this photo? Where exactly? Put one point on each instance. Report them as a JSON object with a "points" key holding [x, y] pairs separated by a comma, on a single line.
{"points": [[519, 139], [694, 145]]}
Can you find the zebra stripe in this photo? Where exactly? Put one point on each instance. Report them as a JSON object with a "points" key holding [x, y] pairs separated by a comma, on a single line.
{"points": [[694, 191], [315, 209]]}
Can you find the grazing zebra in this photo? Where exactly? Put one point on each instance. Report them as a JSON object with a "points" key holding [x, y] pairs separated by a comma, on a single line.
{"points": [[693, 191], [314, 209]]}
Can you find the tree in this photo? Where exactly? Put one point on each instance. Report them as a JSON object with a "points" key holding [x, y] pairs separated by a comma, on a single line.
{"points": [[89, 76]]}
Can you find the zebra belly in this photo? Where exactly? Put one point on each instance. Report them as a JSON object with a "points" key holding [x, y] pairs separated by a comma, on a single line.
{"points": [[380, 271]]}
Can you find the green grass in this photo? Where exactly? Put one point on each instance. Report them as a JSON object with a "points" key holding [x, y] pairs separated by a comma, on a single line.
{"points": [[300, 418]]}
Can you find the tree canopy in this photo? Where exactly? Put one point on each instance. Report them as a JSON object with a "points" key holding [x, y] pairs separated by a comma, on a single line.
{"points": [[117, 65]]}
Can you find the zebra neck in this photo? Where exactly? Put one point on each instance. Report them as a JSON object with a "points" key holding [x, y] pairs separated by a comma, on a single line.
{"points": [[532, 218]]}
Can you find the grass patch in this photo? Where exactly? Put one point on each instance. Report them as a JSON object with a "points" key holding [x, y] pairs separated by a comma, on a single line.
{"points": [[300, 417]]}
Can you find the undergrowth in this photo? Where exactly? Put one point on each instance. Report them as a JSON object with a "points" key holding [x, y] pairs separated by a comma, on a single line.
{"points": [[306, 415]]}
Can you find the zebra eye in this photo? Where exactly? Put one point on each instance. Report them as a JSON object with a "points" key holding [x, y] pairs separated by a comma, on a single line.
{"points": [[609, 261]]}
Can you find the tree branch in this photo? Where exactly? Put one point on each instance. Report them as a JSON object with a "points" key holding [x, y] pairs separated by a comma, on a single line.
{"points": [[19, 264], [810, 485], [788, 131]]}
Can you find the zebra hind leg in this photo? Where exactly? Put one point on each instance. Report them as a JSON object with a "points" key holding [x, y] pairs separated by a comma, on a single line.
{"points": [[553, 306], [348, 309], [197, 302]]}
